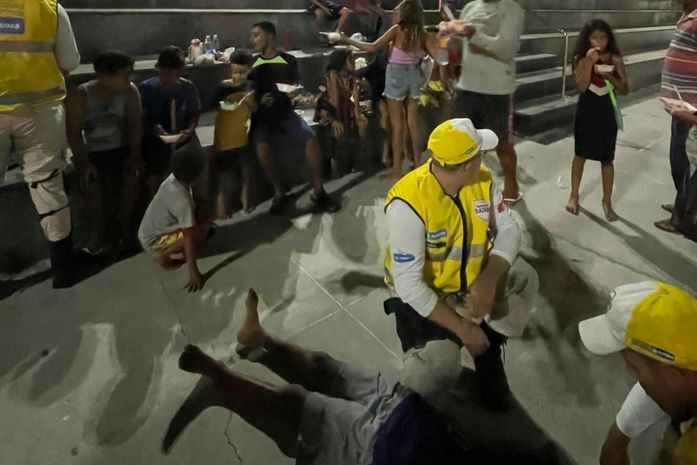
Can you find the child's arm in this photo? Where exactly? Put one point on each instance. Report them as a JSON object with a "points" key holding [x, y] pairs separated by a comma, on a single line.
{"points": [[135, 129], [190, 252], [619, 78], [583, 68], [432, 49], [75, 106], [322, 7], [372, 47], [356, 93]]}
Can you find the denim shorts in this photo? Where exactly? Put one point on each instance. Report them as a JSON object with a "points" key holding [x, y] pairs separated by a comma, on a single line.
{"points": [[403, 81]]}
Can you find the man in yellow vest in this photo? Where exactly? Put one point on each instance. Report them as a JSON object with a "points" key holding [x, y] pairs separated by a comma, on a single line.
{"points": [[452, 257], [653, 325], [37, 48]]}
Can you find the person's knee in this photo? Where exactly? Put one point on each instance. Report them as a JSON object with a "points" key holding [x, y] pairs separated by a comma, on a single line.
{"points": [[319, 14], [525, 279], [57, 226], [322, 364]]}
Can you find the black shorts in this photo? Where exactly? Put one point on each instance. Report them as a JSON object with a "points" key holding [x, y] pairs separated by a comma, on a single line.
{"points": [[235, 159], [291, 125], [110, 165], [334, 9], [493, 112]]}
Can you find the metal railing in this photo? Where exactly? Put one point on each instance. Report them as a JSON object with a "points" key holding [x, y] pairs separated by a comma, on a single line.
{"points": [[565, 34]]}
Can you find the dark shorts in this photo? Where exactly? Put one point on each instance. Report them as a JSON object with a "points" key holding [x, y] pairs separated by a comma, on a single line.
{"points": [[235, 159], [293, 126], [493, 112], [334, 9], [110, 165]]}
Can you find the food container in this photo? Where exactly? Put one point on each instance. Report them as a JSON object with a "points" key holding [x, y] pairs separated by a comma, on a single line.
{"points": [[604, 69], [171, 139], [287, 88]]}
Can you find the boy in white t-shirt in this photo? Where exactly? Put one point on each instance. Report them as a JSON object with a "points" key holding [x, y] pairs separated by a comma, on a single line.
{"points": [[170, 226]]}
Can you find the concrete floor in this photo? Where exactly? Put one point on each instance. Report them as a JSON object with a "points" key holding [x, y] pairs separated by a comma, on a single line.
{"points": [[89, 375]]}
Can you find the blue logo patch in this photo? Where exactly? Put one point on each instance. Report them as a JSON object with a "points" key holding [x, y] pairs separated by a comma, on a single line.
{"points": [[403, 257], [438, 234], [11, 26]]}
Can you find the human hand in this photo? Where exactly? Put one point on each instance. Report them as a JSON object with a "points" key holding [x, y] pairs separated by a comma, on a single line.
{"points": [[337, 128], [474, 339], [195, 283], [134, 166], [593, 54], [683, 115], [86, 173], [480, 298], [460, 27], [267, 100]]}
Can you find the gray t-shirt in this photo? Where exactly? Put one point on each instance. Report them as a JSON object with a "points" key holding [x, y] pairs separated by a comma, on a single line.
{"points": [[171, 209]]}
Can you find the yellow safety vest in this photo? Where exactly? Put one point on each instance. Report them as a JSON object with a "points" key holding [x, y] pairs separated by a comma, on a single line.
{"points": [[457, 229], [686, 450], [231, 130], [29, 73]]}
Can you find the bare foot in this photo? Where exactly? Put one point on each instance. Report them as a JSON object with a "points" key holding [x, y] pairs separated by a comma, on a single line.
{"points": [[667, 226], [247, 206], [389, 175], [610, 214], [223, 216], [573, 207], [194, 360], [205, 394], [251, 335]]}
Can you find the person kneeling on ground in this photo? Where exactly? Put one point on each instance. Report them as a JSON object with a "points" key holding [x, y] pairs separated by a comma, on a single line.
{"points": [[653, 325], [453, 258], [171, 226], [330, 413]]}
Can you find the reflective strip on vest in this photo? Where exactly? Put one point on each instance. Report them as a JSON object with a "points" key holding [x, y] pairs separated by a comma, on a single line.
{"points": [[26, 47], [29, 97], [476, 251]]}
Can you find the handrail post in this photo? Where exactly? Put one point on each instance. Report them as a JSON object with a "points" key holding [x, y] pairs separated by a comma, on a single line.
{"points": [[564, 63]]}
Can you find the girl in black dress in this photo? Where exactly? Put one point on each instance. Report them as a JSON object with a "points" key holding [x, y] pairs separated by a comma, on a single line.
{"points": [[597, 60]]}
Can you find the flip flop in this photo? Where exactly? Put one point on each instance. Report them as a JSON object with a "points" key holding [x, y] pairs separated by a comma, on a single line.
{"points": [[511, 201]]}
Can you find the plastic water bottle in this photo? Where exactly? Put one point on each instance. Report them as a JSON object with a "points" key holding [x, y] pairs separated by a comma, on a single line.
{"points": [[442, 55], [216, 44], [207, 45]]}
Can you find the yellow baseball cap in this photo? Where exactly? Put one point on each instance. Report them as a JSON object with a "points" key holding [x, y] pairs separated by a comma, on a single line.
{"points": [[652, 318], [457, 140]]}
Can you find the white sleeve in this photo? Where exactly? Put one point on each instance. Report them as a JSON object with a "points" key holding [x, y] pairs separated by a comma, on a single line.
{"points": [[639, 413], [408, 249], [65, 48], [508, 237], [505, 44]]}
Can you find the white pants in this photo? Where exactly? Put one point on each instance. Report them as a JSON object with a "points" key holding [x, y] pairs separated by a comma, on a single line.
{"points": [[37, 134]]}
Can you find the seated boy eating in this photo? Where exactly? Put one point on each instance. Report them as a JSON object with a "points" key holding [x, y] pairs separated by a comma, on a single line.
{"points": [[170, 226]]}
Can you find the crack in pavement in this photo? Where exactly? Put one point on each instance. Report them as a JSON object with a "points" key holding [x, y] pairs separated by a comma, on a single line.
{"points": [[229, 439]]}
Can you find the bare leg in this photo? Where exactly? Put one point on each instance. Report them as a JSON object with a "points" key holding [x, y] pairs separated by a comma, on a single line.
{"points": [[509, 165], [413, 125], [245, 195], [165, 258], [268, 164], [224, 188], [319, 17], [275, 411], [573, 206], [344, 14], [315, 371], [385, 125], [397, 122], [314, 162], [608, 175]]}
